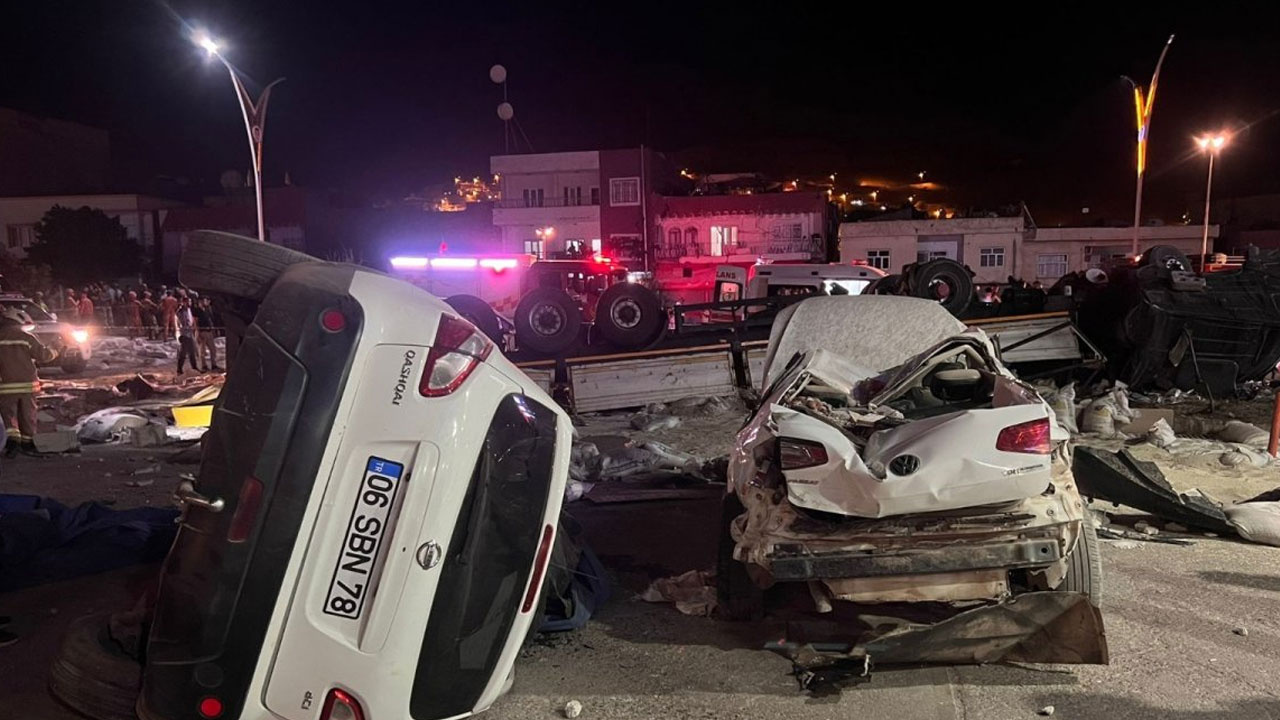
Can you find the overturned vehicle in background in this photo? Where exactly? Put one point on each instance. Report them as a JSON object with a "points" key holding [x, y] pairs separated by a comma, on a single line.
{"points": [[894, 461], [1163, 325]]}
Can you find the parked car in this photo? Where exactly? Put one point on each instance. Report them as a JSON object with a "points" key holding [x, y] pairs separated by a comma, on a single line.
{"points": [[374, 511], [71, 342], [894, 459]]}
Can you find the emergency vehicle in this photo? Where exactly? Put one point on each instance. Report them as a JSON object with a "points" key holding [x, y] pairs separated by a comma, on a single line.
{"points": [[70, 343], [544, 304]]}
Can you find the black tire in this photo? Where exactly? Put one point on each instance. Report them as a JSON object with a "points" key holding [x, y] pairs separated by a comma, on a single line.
{"points": [[737, 597], [928, 281], [74, 367], [630, 316], [1084, 568], [1166, 258], [218, 262], [547, 321], [887, 285], [478, 313], [92, 674]]}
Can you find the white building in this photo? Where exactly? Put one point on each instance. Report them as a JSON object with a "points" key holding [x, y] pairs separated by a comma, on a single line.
{"points": [[550, 201], [996, 248]]}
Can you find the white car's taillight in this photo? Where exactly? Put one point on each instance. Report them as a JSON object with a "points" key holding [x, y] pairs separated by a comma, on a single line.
{"points": [[1026, 437], [458, 348], [341, 706], [794, 454]]}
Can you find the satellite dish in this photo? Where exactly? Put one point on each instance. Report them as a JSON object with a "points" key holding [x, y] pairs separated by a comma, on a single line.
{"points": [[498, 74], [231, 179], [505, 111]]}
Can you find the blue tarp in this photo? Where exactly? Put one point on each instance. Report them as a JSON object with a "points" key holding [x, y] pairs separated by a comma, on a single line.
{"points": [[42, 540]]}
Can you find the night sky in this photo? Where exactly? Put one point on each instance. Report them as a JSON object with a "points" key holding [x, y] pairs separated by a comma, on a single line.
{"points": [[385, 97]]}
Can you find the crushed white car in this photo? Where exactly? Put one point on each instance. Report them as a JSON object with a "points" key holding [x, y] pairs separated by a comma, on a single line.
{"points": [[893, 458]]}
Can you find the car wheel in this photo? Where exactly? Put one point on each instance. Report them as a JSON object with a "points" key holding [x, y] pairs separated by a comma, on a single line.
{"points": [[73, 367], [946, 281], [234, 265], [737, 597], [478, 313], [630, 316], [1166, 259], [1084, 566], [92, 674], [547, 321]]}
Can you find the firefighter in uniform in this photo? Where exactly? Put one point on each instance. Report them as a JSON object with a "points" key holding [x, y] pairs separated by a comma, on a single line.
{"points": [[20, 351]]}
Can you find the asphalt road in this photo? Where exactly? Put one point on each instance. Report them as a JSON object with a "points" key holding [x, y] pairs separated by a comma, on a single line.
{"points": [[1170, 614]]}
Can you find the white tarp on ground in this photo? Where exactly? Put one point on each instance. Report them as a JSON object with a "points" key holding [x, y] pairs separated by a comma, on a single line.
{"points": [[115, 352], [873, 331]]}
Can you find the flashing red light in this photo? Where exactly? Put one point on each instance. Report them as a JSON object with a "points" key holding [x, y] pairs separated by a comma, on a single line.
{"points": [[456, 352], [498, 264], [210, 707], [452, 263], [333, 320], [1026, 437], [539, 567], [603, 259]]}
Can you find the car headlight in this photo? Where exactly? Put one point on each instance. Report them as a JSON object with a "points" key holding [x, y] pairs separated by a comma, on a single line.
{"points": [[80, 336]]}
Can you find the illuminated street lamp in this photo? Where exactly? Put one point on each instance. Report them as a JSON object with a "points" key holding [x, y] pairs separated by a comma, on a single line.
{"points": [[1210, 145], [255, 117], [1144, 105]]}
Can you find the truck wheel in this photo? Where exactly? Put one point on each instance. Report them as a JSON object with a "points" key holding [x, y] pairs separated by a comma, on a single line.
{"points": [[737, 597], [73, 367], [1166, 258], [547, 321], [478, 313], [630, 316], [219, 262], [1084, 568], [887, 285], [944, 280], [92, 674]]}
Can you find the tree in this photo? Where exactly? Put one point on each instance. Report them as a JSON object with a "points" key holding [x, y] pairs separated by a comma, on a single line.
{"points": [[16, 275], [84, 245]]}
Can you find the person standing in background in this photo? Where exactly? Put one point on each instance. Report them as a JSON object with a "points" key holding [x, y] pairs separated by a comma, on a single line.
{"points": [[186, 334], [148, 312], [169, 315], [133, 314], [203, 313], [20, 352], [84, 308]]}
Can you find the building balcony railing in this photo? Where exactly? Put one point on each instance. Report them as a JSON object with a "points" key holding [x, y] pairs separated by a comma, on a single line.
{"points": [[520, 202], [675, 251]]}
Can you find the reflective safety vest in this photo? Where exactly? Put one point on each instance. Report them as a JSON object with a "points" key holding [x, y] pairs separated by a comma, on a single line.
{"points": [[20, 351]]}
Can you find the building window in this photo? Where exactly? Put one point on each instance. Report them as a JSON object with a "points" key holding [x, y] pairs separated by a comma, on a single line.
{"points": [[925, 256], [575, 247], [21, 236], [1051, 266], [533, 198], [991, 257], [724, 239], [691, 242], [624, 191], [878, 259], [595, 196], [534, 248], [573, 196]]}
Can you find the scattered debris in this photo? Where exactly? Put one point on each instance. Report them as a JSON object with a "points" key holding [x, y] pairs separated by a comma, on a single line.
{"points": [[693, 592], [1046, 710], [58, 441], [1244, 433], [1146, 528], [645, 422], [1256, 521], [1122, 478], [141, 483], [147, 435], [572, 709], [1241, 631], [1175, 527]]}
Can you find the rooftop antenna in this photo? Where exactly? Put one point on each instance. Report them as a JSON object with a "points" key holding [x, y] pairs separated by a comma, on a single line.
{"points": [[498, 74]]}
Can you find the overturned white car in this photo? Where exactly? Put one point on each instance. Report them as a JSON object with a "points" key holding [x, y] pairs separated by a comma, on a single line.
{"points": [[893, 459]]}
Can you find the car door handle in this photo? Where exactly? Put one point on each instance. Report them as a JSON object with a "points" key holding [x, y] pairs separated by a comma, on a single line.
{"points": [[186, 495]]}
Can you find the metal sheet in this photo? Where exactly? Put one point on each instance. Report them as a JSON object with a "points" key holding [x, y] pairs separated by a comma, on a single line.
{"points": [[1059, 345], [541, 377], [632, 383]]}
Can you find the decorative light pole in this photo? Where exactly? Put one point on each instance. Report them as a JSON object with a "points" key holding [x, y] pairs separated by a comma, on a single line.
{"points": [[1144, 106], [1209, 145], [255, 118]]}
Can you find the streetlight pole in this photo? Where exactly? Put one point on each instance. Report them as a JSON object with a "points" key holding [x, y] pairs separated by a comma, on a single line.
{"points": [[1211, 146], [1144, 107], [255, 120]]}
